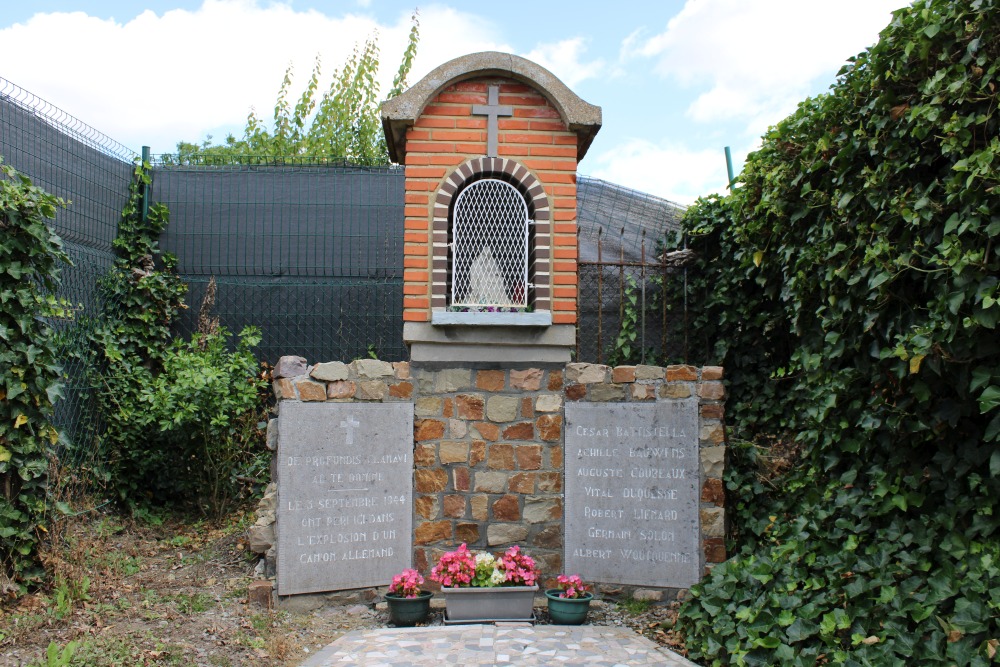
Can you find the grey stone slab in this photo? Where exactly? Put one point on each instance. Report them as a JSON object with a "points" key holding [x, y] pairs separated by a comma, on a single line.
{"points": [[557, 335], [372, 368], [534, 319], [633, 493], [482, 354], [330, 371], [288, 367], [345, 489]]}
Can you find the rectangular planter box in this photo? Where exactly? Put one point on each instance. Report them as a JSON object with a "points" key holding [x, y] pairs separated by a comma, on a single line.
{"points": [[487, 605]]}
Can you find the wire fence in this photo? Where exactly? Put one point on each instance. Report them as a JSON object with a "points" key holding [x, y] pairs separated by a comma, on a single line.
{"points": [[92, 173], [621, 317], [623, 279], [307, 249], [311, 253]]}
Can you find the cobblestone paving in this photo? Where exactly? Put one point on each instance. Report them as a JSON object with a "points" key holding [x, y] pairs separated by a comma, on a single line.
{"points": [[514, 644]]}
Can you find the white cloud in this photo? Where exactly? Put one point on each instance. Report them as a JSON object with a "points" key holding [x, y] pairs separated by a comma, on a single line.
{"points": [[565, 60], [756, 60], [445, 33], [673, 172], [155, 80]]}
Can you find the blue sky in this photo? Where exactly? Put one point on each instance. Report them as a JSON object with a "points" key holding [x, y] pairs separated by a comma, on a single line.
{"points": [[677, 79]]}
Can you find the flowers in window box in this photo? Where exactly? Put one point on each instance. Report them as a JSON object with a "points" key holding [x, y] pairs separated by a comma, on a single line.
{"points": [[462, 568], [455, 568], [520, 568]]}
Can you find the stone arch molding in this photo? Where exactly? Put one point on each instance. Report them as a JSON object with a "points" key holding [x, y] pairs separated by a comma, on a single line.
{"points": [[511, 170], [400, 112]]}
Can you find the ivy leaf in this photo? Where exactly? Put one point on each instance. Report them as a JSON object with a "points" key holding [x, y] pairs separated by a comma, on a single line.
{"points": [[54, 392], [989, 399], [878, 279]]}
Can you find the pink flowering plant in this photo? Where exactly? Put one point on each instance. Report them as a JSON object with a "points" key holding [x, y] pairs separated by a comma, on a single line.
{"points": [[520, 568], [572, 586], [406, 584], [455, 568], [466, 568]]}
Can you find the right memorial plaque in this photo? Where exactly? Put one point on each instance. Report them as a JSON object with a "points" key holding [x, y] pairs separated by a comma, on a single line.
{"points": [[633, 493]]}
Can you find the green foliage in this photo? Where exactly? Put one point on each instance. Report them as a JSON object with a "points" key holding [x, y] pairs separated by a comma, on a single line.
{"points": [[344, 123], [143, 296], [68, 592], [193, 603], [850, 289], [181, 416], [30, 258], [198, 415], [202, 413], [56, 657], [634, 605], [625, 350], [144, 288]]}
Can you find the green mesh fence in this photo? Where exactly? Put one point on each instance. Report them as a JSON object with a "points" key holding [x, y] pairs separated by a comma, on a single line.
{"points": [[310, 251], [627, 224], [91, 171]]}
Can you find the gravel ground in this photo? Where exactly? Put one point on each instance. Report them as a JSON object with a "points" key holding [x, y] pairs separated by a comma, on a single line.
{"points": [[127, 594]]}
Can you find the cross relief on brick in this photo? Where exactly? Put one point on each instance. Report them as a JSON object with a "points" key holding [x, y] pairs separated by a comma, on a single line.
{"points": [[492, 110]]}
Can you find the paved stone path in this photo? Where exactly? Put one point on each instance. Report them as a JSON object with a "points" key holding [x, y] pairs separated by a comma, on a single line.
{"points": [[514, 644]]}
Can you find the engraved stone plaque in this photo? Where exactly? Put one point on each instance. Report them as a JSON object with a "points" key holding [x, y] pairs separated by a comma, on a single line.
{"points": [[345, 482], [633, 493]]}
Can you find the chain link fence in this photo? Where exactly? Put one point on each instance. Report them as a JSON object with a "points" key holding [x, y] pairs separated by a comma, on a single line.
{"points": [[623, 277], [92, 173]]}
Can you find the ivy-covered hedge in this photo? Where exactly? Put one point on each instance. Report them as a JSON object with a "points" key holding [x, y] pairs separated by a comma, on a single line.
{"points": [[30, 258], [850, 288], [180, 417]]}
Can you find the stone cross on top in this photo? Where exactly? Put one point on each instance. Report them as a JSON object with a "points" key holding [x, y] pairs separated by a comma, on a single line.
{"points": [[436, 130], [492, 110]]}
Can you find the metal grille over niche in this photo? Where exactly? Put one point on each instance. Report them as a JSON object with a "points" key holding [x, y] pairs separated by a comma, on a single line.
{"points": [[490, 246]]}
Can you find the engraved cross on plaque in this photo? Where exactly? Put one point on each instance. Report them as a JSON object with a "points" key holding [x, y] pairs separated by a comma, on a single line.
{"points": [[350, 424], [492, 110]]}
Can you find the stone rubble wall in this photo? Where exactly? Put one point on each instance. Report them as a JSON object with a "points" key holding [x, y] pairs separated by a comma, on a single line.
{"points": [[489, 444]]}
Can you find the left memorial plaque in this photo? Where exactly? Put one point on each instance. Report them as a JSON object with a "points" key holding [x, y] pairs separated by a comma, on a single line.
{"points": [[345, 488]]}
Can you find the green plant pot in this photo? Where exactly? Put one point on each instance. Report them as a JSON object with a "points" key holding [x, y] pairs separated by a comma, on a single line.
{"points": [[567, 611], [405, 612]]}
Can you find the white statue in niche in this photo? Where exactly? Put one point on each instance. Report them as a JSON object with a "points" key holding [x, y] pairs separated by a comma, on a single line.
{"points": [[485, 280]]}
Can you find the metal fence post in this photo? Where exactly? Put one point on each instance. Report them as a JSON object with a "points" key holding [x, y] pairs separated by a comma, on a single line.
{"points": [[144, 189]]}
